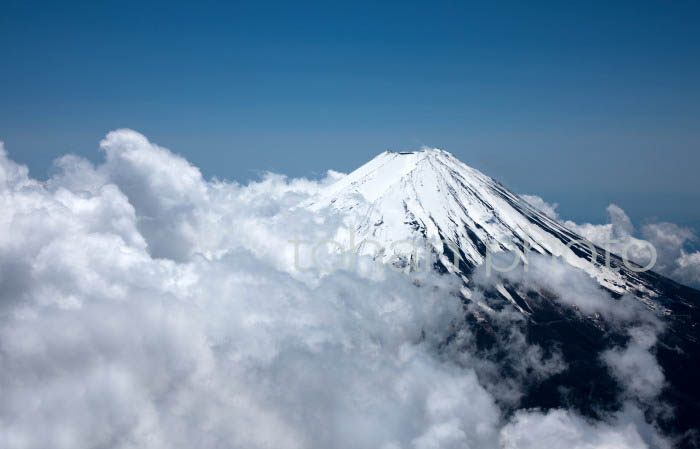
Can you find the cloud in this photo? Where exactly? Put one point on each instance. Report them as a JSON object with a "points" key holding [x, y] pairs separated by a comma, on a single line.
{"points": [[549, 209], [635, 366], [557, 428], [571, 287], [688, 268], [619, 235], [144, 306]]}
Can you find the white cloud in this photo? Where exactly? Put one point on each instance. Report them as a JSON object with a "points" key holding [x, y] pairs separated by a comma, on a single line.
{"points": [[688, 268], [549, 209], [619, 235], [635, 366], [570, 286], [144, 306], [557, 428]]}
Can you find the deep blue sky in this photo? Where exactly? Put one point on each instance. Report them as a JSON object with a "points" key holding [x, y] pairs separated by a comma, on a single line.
{"points": [[583, 103]]}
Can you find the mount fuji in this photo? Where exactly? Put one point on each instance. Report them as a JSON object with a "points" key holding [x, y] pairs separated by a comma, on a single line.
{"points": [[132, 315], [429, 195]]}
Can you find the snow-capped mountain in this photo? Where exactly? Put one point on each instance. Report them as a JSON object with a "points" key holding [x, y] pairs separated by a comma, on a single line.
{"points": [[124, 293], [414, 196], [431, 195]]}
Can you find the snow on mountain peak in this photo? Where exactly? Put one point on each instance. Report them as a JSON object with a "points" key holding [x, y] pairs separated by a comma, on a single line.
{"points": [[429, 195]]}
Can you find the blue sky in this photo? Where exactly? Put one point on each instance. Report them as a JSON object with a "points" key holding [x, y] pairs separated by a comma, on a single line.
{"points": [[582, 103]]}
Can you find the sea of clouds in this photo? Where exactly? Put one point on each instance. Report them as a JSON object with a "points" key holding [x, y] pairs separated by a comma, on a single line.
{"points": [[142, 306]]}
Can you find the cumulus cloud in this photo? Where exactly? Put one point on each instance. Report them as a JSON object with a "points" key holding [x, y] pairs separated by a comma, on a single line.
{"points": [[635, 366], [571, 287], [633, 363], [670, 241], [556, 428], [549, 209], [144, 306], [688, 268]]}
